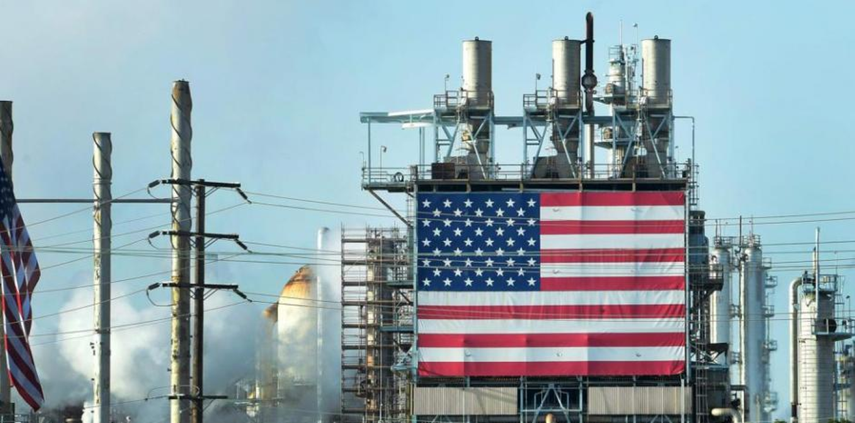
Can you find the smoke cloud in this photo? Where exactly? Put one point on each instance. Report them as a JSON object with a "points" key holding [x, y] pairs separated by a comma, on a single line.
{"points": [[140, 353]]}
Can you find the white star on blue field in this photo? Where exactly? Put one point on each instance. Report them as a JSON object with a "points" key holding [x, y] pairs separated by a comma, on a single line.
{"points": [[478, 242]]}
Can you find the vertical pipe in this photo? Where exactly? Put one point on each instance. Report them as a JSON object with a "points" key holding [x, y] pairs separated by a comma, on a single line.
{"points": [[368, 153], [816, 339], [589, 82], [101, 284], [182, 133], [198, 386], [322, 312], [591, 155], [794, 349], [816, 261], [7, 126], [720, 300]]}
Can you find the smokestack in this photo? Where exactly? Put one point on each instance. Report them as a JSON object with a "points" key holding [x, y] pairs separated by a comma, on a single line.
{"points": [[182, 133], [589, 82], [478, 72], [101, 161], [7, 126], [477, 99]]}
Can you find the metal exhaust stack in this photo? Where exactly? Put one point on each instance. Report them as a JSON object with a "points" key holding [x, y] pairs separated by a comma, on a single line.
{"points": [[101, 161], [7, 127], [656, 84], [589, 82], [477, 106], [182, 133], [565, 72], [478, 72], [566, 102]]}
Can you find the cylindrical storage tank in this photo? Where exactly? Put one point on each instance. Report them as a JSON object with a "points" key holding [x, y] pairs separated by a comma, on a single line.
{"points": [[816, 356], [656, 71], [753, 331], [720, 303], [566, 72], [847, 366], [298, 334], [478, 72], [850, 375], [617, 69]]}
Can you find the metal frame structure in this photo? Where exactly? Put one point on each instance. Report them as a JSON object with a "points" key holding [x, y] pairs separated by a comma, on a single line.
{"points": [[377, 329], [635, 124]]}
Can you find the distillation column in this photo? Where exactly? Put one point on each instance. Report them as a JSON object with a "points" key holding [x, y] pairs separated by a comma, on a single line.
{"points": [[754, 375], [721, 300], [816, 368]]}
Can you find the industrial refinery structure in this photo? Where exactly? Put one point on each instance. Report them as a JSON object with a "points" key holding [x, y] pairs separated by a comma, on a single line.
{"points": [[576, 280], [579, 135]]}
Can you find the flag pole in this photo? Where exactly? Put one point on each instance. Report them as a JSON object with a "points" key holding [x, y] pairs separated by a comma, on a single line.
{"points": [[103, 177], [6, 129]]}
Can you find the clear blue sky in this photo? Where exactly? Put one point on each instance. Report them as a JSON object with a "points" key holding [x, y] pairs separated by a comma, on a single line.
{"points": [[278, 86]]}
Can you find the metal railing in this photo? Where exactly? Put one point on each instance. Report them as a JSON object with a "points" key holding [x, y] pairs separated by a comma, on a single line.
{"points": [[734, 311], [543, 99], [771, 345], [402, 176], [769, 310], [450, 100], [446, 100], [771, 399], [771, 281], [838, 327]]}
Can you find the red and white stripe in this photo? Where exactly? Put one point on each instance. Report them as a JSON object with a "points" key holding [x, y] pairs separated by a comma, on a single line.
{"points": [[20, 274], [29, 277], [612, 298]]}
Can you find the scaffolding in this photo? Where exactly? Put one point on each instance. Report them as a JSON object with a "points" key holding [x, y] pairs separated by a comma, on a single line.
{"points": [[377, 324]]}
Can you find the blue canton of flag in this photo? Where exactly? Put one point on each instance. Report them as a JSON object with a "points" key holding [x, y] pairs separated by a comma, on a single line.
{"points": [[478, 242]]}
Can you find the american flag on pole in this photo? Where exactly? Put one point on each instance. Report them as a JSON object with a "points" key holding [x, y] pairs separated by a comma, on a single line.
{"points": [[20, 273], [551, 284]]}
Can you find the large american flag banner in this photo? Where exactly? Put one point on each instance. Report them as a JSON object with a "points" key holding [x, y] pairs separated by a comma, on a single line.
{"points": [[551, 284], [20, 272]]}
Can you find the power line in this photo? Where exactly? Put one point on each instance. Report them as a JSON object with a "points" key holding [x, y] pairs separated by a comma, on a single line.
{"points": [[118, 328], [81, 210], [284, 206], [303, 200], [709, 220]]}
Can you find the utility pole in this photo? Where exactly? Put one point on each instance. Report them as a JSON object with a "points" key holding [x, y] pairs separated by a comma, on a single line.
{"points": [[199, 306], [101, 280], [182, 133], [200, 187], [102, 204], [7, 126]]}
